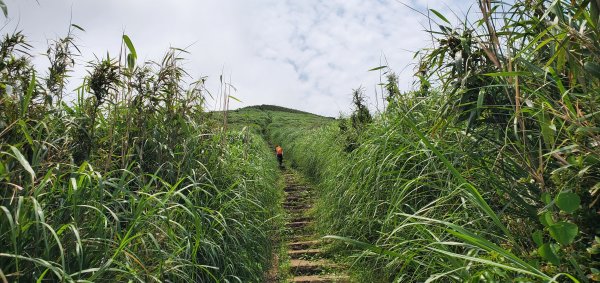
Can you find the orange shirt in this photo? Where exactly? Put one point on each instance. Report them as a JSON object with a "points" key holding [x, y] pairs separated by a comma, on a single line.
{"points": [[279, 150]]}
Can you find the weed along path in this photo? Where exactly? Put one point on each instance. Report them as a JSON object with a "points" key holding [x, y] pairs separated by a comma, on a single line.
{"points": [[307, 263]]}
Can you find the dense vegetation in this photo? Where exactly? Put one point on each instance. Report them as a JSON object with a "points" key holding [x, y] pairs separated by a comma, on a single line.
{"points": [[132, 181], [264, 119], [488, 172]]}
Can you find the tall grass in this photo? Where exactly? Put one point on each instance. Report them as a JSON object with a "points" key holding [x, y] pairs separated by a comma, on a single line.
{"points": [[129, 182], [489, 171]]}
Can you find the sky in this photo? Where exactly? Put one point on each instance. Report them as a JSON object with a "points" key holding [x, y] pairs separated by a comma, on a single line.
{"points": [[303, 54]]}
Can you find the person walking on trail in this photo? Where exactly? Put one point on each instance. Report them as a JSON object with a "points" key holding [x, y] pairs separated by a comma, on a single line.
{"points": [[279, 151]]}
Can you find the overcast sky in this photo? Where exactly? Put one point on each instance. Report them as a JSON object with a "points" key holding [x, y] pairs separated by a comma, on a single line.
{"points": [[303, 54]]}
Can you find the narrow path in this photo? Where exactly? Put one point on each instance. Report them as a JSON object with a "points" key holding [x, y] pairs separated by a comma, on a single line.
{"points": [[307, 262]]}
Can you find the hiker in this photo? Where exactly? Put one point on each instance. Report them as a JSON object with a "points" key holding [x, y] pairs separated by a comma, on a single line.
{"points": [[279, 151]]}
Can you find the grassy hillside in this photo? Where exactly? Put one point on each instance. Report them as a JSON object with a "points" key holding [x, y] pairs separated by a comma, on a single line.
{"points": [[131, 181], [263, 119], [275, 108], [488, 172]]}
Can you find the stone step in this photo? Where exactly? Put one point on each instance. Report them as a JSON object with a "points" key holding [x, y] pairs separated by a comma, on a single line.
{"points": [[295, 198], [306, 263], [302, 203], [303, 245], [298, 195], [296, 192], [295, 254], [298, 224], [295, 189], [296, 211], [320, 279], [301, 238], [304, 267], [296, 205], [301, 218]]}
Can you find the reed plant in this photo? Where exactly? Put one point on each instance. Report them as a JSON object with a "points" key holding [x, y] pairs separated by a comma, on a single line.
{"points": [[487, 173], [130, 181]]}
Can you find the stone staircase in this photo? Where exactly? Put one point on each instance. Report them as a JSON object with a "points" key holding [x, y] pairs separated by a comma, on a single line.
{"points": [[307, 263]]}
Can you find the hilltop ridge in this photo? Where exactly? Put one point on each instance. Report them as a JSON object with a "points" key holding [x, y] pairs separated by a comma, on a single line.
{"points": [[269, 107]]}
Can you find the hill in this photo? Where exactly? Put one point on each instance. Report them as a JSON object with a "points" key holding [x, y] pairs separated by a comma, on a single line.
{"points": [[262, 118], [275, 108]]}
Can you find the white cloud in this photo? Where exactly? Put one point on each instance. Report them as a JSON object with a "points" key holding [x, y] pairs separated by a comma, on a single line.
{"points": [[307, 55]]}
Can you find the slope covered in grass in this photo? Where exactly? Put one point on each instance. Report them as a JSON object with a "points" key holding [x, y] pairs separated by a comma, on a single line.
{"points": [[262, 119], [488, 172], [129, 182]]}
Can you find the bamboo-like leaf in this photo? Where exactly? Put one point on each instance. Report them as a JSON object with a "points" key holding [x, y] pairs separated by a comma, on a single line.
{"points": [[472, 191], [363, 245], [130, 61], [439, 15], [25, 131], [507, 74], [60, 274], [234, 98], [476, 240], [77, 27], [592, 68], [4, 8], [377, 68], [129, 45], [42, 276], [489, 263], [19, 156], [28, 95]]}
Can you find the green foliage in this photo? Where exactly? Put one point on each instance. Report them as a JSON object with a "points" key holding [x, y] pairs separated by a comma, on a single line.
{"points": [[132, 56], [352, 127], [275, 108], [131, 181], [502, 131], [547, 252], [361, 116], [563, 232], [4, 8], [568, 202]]}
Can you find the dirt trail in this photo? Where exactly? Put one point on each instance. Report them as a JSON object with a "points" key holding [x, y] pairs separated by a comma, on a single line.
{"points": [[307, 262]]}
